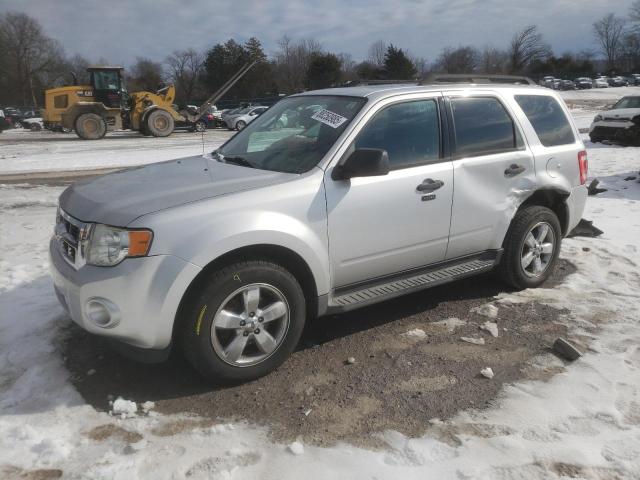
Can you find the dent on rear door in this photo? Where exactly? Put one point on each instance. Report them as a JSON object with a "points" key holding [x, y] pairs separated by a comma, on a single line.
{"points": [[488, 190]]}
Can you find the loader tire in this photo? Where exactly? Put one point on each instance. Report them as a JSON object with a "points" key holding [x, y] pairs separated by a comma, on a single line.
{"points": [[160, 123], [90, 126]]}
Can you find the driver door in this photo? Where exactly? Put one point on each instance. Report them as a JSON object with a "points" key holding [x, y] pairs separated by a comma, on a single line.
{"points": [[385, 225]]}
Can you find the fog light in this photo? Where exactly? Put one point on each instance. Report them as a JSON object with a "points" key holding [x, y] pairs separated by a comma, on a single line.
{"points": [[102, 312]]}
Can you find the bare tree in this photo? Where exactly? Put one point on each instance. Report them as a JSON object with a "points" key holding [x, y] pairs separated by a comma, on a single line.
{"points": [[376, 54], [458, 60], [33, 60], [609, 31], [634, 14], [492, 60], [527, 47], [145, 75], [292, 61], [348, 67], [184, 69], [421, 65]]}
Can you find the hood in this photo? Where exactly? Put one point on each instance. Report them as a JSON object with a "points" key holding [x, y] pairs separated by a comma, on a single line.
{"points": [[621, 113], [119, 198]]}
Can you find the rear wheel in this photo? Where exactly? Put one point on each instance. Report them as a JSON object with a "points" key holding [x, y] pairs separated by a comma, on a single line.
{"points": [[531, 247], [160, 123], [90, 126], [244, 322]]}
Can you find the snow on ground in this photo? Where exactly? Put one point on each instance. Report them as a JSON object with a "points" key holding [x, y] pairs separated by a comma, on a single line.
{"points": [[23, 151], [582, 423], [604, 95]]}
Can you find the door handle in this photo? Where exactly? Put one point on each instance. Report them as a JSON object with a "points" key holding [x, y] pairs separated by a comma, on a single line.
{"points": [[429, 185], [514, 170]]}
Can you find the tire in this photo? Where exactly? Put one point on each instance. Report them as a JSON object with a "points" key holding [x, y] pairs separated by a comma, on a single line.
{"points": [[200, 127], [144, 128], [542, 251], [240, 125], [160, 123], [90, 126], [207, 335]]}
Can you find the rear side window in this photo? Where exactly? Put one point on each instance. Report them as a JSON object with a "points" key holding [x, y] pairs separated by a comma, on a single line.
{"points": [[482, 127], [547, 118], [409, 132]]}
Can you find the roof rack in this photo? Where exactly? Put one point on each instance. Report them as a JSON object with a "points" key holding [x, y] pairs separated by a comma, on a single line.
{"points": [[476, 78], [360, 83]]}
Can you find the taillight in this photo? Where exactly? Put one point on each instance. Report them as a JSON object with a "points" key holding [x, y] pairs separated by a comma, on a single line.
{"points": [[583, 164], [210, 117]]}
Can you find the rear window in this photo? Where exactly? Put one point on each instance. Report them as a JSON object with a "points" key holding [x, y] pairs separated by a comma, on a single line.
{"points": [[547, 118], [482, 127]]}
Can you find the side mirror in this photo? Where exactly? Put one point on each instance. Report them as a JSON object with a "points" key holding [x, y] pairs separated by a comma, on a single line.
{"points": [[363, 162]]}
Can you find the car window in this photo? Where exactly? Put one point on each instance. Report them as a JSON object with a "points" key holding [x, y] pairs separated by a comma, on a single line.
{"points": [[409, 132], [483, 127], [627, 102], [547, 118], [293, 135]]}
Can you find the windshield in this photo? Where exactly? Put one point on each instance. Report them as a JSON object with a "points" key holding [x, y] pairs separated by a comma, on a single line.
{"points": [[293, 135], [627, 102]]}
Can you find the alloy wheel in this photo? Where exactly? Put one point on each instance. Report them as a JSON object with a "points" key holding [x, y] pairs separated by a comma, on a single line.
{"points": [[250, 325], [538, 249]]}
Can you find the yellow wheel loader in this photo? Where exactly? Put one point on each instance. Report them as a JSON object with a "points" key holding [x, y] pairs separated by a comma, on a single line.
{"points": [[105, 105]]}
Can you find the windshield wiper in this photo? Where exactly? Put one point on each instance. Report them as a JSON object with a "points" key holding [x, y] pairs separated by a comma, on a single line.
{"points": [[234, 160]]}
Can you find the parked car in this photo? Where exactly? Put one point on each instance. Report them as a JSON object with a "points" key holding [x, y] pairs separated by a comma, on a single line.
{"points": [[634, 79], [227, 256], [4, 124], [583, 83], [617, 82], [620, 123], [35, 124], [243, 117], [566, 85], [547, 81], [601, 82]]}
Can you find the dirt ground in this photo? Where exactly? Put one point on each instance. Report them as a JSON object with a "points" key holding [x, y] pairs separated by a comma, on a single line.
{"points": [[397, 382]]}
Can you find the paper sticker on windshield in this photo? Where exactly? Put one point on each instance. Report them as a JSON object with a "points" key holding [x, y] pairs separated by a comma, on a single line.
{"points": [[329, 118]]}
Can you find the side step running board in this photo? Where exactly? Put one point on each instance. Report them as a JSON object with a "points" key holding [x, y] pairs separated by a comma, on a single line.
{"points": [[412, 281]]}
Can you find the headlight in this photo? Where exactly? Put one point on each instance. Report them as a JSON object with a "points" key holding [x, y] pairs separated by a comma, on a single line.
{"points": [[598, 118], [108, 246]]}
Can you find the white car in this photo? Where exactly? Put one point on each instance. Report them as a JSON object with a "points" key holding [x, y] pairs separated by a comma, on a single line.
{"points": [[600, 82], [227, 255], [620, 123], [240, 119]]}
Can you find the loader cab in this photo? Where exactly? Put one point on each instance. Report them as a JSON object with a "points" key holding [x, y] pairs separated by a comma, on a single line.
{"points": [[108, 85]]}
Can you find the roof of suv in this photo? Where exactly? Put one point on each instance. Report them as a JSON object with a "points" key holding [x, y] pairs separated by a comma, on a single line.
{"points": [[380, 91]]}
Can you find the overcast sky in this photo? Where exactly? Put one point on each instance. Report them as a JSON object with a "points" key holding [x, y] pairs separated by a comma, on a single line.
{"points": [[121, 30]]}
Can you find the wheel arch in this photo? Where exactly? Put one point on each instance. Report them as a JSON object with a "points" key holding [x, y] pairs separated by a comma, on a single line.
{"points": [[68, 118], [278, 254], [554, 199]]}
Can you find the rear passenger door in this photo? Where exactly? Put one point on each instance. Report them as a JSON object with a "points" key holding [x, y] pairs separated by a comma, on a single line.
{"points": [[491, 166]]}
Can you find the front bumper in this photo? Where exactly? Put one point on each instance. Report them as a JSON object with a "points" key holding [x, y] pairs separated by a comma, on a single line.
{"points": [[142, 295], [624, 130]]}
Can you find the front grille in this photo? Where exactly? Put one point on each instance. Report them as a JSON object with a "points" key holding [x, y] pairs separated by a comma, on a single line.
{"points": [[70, 234], [615, 119]]}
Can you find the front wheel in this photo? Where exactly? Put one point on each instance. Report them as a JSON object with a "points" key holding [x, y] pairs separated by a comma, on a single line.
{"points": [[244, 322], [240, 125], [531, 247], [200, 127], [160, 123]]}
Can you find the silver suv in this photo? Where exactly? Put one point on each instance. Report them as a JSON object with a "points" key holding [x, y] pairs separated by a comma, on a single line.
{"points": [[372, 193]]}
